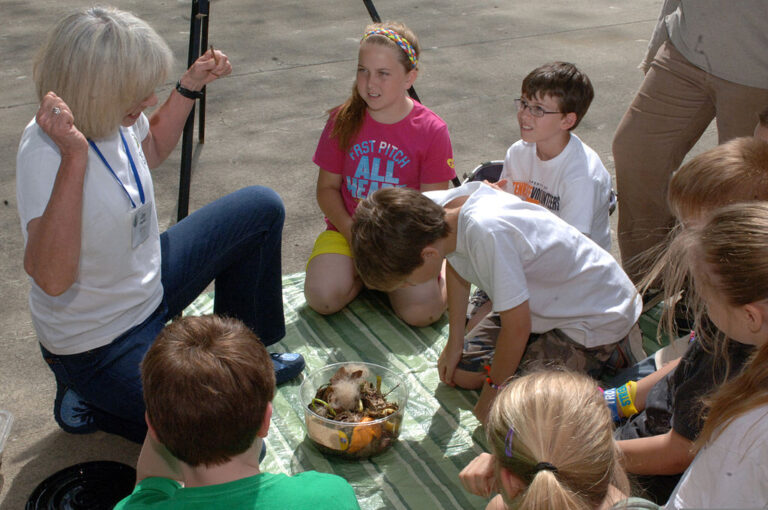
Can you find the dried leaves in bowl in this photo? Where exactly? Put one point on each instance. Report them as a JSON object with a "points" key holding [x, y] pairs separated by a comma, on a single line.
{"points": [[359, 418]]}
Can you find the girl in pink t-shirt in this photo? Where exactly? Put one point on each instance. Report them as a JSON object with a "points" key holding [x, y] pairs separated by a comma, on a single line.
{"points": [[378, 138]]}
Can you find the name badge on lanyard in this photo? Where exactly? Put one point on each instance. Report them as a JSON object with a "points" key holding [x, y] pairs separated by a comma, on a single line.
{"points": [[141, 215]]}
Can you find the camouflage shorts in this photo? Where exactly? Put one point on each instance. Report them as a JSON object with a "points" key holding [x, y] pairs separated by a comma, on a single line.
{"points": [[547, 348]]}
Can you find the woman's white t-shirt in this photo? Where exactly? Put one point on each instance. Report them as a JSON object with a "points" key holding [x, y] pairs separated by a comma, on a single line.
{"points": [[117, 286]]}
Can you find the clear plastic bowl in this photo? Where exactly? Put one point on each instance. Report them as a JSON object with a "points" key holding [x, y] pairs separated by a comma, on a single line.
{"points": [[6, 420], [354, 440]]}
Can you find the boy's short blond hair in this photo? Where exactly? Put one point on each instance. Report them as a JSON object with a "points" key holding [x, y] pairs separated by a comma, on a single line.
{"points": [[207, 383], [736, 171], [390, 229]]}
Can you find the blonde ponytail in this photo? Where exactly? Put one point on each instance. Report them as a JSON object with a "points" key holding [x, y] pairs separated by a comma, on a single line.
{"points": [[547, 492], [553, 430]]}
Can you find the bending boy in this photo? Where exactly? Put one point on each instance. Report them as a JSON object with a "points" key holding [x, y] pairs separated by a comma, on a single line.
{"points": [[559, 296], [208, 388]]}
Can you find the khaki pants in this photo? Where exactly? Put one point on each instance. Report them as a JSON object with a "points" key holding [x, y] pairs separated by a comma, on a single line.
{"points": [[675, 104]]}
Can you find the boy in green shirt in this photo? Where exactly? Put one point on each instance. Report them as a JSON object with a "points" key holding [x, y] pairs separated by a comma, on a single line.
{"points": [[208, 388]]}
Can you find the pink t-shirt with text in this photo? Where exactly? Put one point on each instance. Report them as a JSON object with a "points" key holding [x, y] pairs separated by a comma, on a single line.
{"points": [[414, 151]]}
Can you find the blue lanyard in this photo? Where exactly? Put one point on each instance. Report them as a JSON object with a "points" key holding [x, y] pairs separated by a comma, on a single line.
{"points": [[133, 167]]}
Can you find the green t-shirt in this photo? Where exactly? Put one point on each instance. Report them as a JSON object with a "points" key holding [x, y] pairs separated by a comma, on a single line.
{"points": [[305, 491], [635, 504]]}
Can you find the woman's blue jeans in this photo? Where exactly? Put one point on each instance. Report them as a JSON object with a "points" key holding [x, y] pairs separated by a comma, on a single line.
{"points": [[234, 241]]}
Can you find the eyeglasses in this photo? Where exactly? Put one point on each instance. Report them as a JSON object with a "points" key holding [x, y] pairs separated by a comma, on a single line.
{"points": [[535, 110]]}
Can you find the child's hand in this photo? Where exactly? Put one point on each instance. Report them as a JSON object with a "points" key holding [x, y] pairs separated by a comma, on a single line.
{"points": [[447, 363], [479, 476], [500, 185]]}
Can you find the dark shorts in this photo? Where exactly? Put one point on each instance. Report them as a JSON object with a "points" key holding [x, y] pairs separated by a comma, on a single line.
{"points": [[545, 348]]}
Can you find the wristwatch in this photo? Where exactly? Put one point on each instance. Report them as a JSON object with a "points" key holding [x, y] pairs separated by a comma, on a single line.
{"points": [[189, 94]]}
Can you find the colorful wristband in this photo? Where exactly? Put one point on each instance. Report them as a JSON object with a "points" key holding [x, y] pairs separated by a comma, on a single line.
{"points": [[489, 380], [621, 400], [610, 402]]}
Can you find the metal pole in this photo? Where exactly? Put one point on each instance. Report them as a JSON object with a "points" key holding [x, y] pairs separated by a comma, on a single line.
{"points": [[185, 174], [205, 15], [372, 11]]}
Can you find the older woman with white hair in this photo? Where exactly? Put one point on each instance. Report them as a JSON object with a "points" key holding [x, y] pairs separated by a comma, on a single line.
{"points": [[104, 280]]}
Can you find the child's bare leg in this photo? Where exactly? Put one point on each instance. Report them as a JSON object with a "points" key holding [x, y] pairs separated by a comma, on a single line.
{"points": [[331, 283], [420, 305], [479, 315], [468, 380], [479, 346]]}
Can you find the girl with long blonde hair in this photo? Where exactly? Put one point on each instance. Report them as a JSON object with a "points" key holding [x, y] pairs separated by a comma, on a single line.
{"points": [[550, 436], [726, 258]]}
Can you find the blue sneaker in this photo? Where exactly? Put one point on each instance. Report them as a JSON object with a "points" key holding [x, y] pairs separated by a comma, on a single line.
{"points": [[72, 413], [288, 365]]}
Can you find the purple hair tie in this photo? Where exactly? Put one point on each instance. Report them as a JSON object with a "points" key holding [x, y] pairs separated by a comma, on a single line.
{"points": [[508, 442]]}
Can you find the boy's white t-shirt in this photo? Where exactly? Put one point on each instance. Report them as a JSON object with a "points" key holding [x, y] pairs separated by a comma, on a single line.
{"points": [[117, 286], [574, 185], [731, 471], [517, 251]]}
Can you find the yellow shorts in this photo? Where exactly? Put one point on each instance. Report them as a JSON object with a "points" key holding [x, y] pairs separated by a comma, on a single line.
{"points": [[330, 241]]}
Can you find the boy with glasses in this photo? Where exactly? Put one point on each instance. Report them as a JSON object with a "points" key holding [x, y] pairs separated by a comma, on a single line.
{"points": [[551, 166]]}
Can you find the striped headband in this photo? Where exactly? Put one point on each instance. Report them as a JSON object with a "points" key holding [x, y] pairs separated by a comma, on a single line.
{"points": [[398, 39]]}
